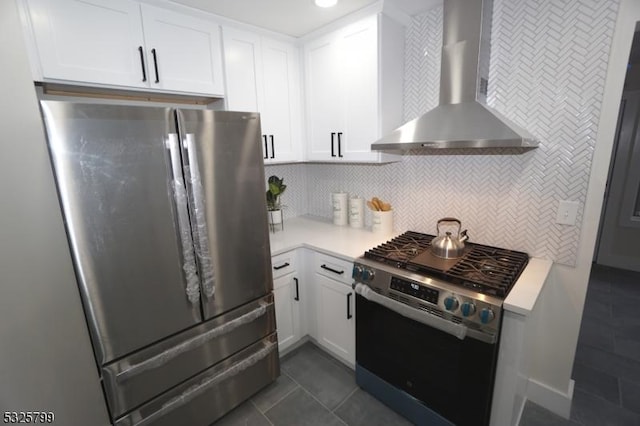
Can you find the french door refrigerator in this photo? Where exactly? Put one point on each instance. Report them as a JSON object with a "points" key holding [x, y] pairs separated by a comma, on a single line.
{"points": [[166, 220]]}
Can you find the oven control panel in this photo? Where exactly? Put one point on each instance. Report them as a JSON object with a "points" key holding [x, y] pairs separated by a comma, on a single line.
{"points": [[415, 290]]}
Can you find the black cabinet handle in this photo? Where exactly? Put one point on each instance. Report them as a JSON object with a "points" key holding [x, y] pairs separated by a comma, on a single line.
{"points": [[339, 144], [333, 135], [266, 149], [273, 150], [155, 64], [297, 298], [284, 265], [332, 270], [144, 70], [349, 316]]}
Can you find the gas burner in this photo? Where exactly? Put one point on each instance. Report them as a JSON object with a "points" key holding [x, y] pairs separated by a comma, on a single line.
{"points": [[485, 269], [400, 249]]}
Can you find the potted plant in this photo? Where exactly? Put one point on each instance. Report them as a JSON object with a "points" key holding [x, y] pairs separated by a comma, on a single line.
{"points": [[274, 207]]}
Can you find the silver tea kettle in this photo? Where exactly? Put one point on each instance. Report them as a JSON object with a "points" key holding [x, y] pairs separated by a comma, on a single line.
{"points": [[447, 246]]}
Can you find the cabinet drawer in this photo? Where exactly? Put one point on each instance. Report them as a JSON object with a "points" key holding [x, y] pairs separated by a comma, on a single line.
{"points": [[334, 268], [284, 264]]}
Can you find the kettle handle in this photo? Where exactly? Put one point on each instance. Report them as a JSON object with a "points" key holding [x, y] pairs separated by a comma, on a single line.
{"points": [[449, 219]]}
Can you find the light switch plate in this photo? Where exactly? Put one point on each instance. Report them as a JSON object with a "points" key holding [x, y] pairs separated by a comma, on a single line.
{"points": [[567, 212]]}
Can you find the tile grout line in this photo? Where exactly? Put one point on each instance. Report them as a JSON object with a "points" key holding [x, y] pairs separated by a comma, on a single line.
{"points": [[318, 401], [284, 396], [345, 399], [324, 406], [261, 413]]}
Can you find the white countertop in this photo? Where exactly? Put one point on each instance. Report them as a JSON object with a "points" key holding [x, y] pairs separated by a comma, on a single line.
{"points": [[524, 294], [322, 235], [349, 243]]}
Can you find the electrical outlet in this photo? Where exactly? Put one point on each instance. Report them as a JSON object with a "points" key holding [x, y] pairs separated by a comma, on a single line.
{"points": [[567, 212]]}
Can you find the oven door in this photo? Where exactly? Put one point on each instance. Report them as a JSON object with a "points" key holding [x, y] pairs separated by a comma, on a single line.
{"points": [[450, 377]]}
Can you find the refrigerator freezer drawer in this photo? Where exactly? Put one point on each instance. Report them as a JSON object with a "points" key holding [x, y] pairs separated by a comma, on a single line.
{"points": [[133, 380], [208, 396]]}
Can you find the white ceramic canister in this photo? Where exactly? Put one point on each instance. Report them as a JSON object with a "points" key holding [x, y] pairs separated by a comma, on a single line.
{"points": [[339, 201], [356, 212], [382, 222]]}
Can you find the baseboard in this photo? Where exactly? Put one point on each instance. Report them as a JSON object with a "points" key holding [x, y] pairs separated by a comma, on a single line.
{"points": [[520, 411], [552, 399]]}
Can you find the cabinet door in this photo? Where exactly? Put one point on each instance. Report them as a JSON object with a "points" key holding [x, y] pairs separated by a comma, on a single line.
{"points": [[242, 64], [94, 41], [286, 294], [359, 59], [280, 118], [323, 98], [243, 69], [336, 318], [183, 53]]}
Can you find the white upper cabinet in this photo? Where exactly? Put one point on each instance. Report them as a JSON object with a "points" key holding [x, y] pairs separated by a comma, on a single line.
{"points": [[92, 40], [104, 42], [183, 53], [262, 75], [353, 88]]}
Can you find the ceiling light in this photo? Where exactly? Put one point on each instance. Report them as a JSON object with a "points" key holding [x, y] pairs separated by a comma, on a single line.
{"points": [[326, 3]]}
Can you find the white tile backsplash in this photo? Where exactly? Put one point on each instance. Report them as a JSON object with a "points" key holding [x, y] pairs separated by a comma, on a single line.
{"points": [[547, 74]]}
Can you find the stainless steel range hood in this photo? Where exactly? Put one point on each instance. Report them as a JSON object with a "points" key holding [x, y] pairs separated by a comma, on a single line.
{"points": [[462, 120]]}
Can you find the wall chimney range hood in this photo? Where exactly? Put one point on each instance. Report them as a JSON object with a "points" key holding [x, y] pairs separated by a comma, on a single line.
{"points": [[462, 120]]}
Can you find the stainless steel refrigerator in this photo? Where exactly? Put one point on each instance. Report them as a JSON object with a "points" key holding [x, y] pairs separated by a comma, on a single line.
{"points": [[166, 221]]}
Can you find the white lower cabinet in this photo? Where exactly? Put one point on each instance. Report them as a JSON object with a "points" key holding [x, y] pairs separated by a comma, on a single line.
{"points": [[313, 297], [335, 307], [286, 293]]}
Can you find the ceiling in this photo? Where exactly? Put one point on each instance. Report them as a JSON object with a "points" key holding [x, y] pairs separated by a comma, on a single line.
{"points": [[295, 17]]}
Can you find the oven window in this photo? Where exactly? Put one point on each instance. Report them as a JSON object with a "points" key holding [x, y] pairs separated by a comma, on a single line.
{"points": [[450, 376]]}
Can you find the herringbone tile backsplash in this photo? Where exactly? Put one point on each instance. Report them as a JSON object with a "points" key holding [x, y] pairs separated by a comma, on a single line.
{"points": [[547, 74]]}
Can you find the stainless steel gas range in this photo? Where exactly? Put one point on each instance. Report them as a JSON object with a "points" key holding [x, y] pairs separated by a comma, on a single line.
{"points": [[428, 328]]}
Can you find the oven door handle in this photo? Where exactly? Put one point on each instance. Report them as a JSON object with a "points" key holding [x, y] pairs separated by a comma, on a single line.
{"points": [[457, 330]]}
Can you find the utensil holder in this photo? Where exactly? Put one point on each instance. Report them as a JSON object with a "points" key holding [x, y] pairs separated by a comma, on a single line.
{"points": [[382, 222]]}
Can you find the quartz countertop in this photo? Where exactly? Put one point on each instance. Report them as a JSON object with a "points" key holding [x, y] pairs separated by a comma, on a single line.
{"points": [[322, 235], [348, 243]]}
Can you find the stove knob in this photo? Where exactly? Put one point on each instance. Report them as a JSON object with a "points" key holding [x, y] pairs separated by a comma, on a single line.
{"points": [[486, 315], [356, 274], [468, 309], [367, 274], [451, 303], [372, 274]]}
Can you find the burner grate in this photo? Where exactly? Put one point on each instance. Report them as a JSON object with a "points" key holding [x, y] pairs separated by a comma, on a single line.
{"points": [[401, 249], [484, 269], [490, 269]]}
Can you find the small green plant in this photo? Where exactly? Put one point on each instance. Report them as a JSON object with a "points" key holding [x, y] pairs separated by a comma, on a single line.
{"points": [[276, 188]]}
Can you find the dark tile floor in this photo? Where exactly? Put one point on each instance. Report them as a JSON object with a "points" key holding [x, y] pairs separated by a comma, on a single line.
{"points": [[607, 364], [315, 389]]}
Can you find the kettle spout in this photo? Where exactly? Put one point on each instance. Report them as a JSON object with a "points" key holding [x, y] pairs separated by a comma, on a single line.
{"points": [[463, 236]]}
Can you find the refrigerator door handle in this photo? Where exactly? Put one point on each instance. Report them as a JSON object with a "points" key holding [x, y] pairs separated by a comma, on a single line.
{"points": [[209, 382], [201, 236], [180, 197], [195, 342]]}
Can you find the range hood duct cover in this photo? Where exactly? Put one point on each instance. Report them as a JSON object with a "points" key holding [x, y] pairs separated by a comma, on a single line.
{"points": [[462, 120]]}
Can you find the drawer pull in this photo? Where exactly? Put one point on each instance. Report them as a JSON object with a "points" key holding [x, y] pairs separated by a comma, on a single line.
{"points": [[284, 265], [332, 270]]}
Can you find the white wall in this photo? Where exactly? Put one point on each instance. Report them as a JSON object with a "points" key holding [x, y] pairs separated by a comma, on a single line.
{"points": [[563, 299], [46, 362]]}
